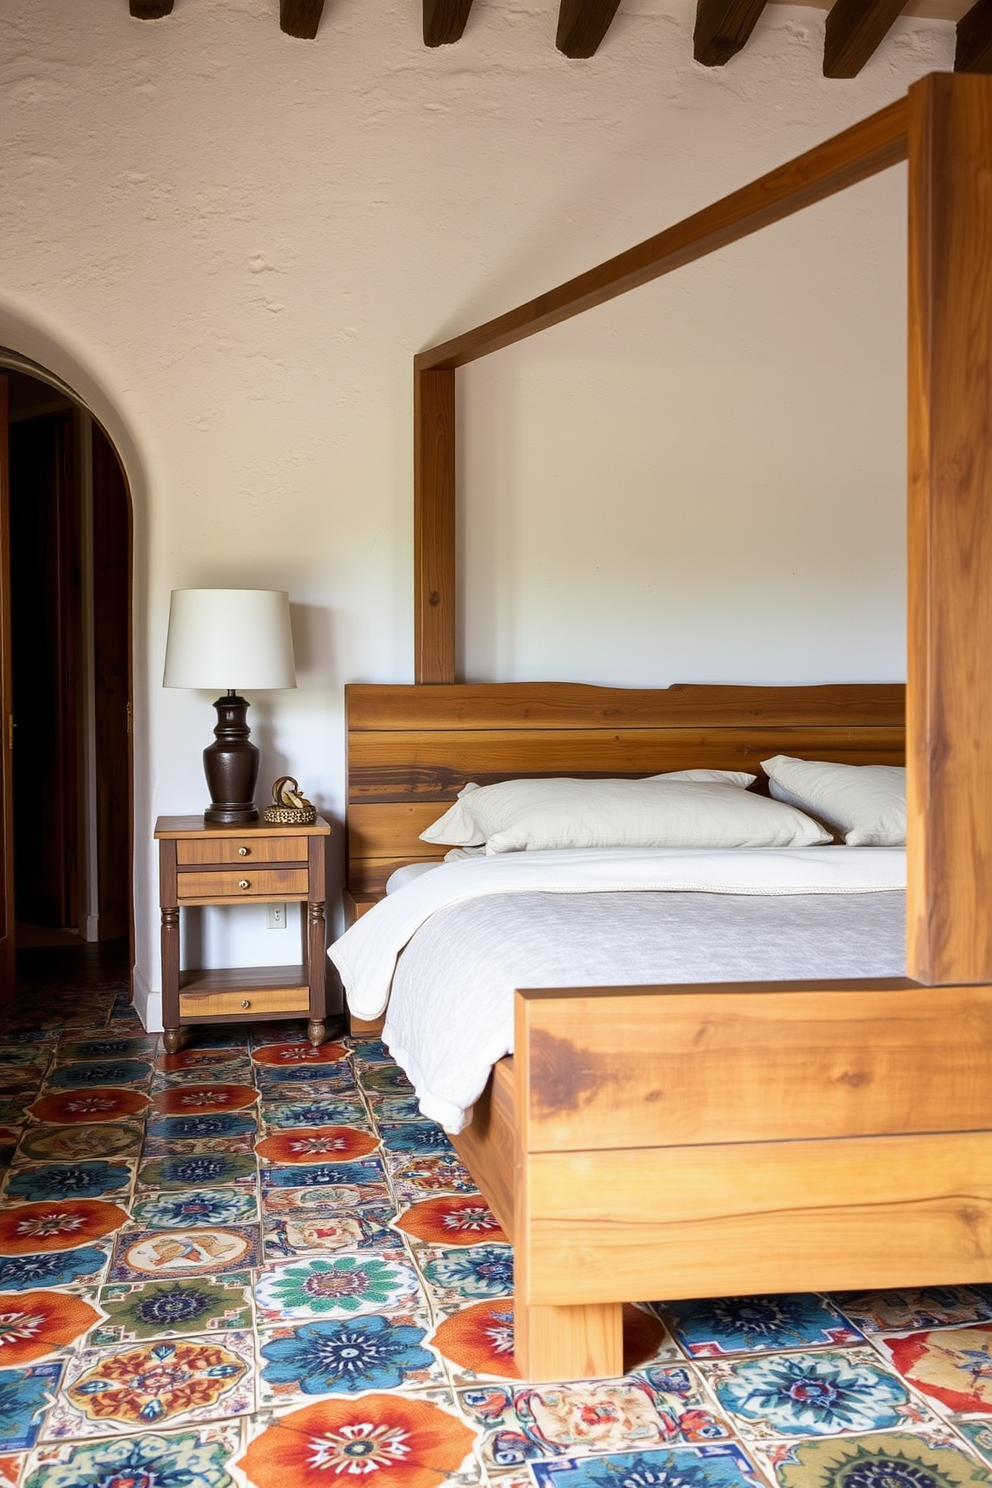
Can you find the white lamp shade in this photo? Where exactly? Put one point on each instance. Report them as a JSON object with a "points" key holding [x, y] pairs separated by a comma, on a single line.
{"points": [[229, 639]]}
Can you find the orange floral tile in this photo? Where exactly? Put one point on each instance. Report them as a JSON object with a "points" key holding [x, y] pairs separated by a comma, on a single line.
{"points": [[409, 1443], [480, 1338], [317, 1144], [186, 1100], [454, 1219], [105, 1103], [29, 1228], [283, 1054], [33, 1324]]}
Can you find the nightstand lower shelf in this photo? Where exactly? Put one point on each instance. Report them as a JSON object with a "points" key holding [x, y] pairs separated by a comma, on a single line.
{"points": [[243, 992]]}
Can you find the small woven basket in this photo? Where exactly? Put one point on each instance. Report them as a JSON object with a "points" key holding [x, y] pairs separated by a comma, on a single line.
{"points": [[289, 816]]}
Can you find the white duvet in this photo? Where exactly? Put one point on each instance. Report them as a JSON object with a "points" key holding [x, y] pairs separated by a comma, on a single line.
{"points": [[367, 954]]}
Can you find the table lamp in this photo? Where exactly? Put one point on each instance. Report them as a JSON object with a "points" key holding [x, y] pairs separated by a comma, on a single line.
{"points": [[220, 636]]}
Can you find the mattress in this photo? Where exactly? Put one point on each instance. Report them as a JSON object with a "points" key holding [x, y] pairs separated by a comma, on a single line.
{"points": [[450, 948]]}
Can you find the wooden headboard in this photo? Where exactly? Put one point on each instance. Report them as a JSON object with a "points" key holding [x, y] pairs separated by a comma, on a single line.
{"points": [[412, 748]]}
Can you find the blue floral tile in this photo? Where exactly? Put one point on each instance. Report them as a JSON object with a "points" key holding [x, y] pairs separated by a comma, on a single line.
{"points": [[366, 1174], [24, 1056], [25, 1395], [141, 1254], [812, 1394], [204, 1126], [468, 1273], [330, 1079], [81, 1180], [99, 1073], [197, 1169], [108, 1046], [54, 1268], [184, 1208], [414, 1136], [303, 1231], [718, 1466], [396, 1107], [750, 1325], [195, 1458], [289, 1114], [370, 1051], [911, 1308], [343, 1356]]}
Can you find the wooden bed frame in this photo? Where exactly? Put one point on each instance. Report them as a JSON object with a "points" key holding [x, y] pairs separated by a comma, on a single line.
{"points": [[724, 1139]]}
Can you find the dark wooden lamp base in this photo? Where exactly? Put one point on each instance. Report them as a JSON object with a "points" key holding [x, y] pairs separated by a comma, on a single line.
{"points": [[230, 764]]}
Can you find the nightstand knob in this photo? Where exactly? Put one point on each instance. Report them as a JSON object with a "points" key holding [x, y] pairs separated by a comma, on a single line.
{"points": [[245, 1003], [243, 852], [243, 883]]}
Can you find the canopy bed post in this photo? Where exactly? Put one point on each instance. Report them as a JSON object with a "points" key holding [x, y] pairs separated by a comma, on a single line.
{"points": [[949, 691], [434, 523]]}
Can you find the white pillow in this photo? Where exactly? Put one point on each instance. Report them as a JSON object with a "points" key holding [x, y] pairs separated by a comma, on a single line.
{"points": [[865, 803], [515, 815]]}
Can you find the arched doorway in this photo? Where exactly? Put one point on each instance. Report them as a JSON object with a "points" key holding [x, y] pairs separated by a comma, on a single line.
{"points": [[65, 680]]}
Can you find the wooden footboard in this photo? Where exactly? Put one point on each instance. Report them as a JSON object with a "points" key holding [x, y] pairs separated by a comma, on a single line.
{"points": [[692, 1141]]}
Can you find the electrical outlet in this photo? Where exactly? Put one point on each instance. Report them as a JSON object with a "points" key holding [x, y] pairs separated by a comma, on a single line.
{"points": [[277, 917]]}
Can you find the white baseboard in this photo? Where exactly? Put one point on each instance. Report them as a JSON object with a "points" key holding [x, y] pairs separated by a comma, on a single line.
{"points": [[147, 1003], [90, 927]]}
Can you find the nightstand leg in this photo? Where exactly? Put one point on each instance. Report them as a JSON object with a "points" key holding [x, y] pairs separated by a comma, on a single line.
{"points": [[173, 1039], [316, 969], [173, 1036]]}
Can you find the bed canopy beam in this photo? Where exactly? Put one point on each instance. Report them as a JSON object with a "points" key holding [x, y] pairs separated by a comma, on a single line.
{"points": [[860, 152]]}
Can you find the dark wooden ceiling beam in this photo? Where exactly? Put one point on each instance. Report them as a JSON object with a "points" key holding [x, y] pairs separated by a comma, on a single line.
{"points": [[150, 10], [855, 29], [300, 17], [444, 21], [723, 28], [974, 48], [582, 24]]}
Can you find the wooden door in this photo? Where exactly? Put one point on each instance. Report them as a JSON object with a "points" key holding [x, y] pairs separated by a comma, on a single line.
{"points": [[7, 978]]}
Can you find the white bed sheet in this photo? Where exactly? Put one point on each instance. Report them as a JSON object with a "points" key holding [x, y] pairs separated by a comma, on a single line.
{"points": [[366, 955]]}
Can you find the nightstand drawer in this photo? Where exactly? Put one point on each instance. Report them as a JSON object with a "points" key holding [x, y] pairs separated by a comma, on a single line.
{"points": [[246, 883], [236, 1004], [249, 849]]}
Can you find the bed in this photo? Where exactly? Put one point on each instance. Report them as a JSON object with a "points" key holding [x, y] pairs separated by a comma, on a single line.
{"points": [[726, 1138]]}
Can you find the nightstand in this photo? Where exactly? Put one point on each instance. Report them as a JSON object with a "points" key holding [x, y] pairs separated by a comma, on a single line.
{"points": [[205, 864]]}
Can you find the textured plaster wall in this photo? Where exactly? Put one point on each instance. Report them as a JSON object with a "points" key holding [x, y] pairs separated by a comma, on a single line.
{"points": [[230, 243]]}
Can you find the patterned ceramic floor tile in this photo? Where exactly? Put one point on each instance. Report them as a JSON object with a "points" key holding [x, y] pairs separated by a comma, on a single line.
{"points": [[414, 1178], [366, 1177], [64, 1269], [90, 1179], [456, 1275], [25, 1395], [84, 1074], [199, 1456], [286, 1115], [203, 1099], [345, 1356], [107, 1045], [138, 1312], [50, 1143], [978, 1434], [201, 1126], [749, 1325], [34, 1325], [26, 1229], [311, 1145], [198, 1169], [337, 1286], [165, 1382], [951, 1366], [719, 1465], [457, 1219], [105, 1103], [913, 1308], [812, 1394], [305, 1231], [281, 1056], [892, 1459], [140, 1254], [421, 1440], [169, 1147], [181, 1209], [653, 1408]]}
